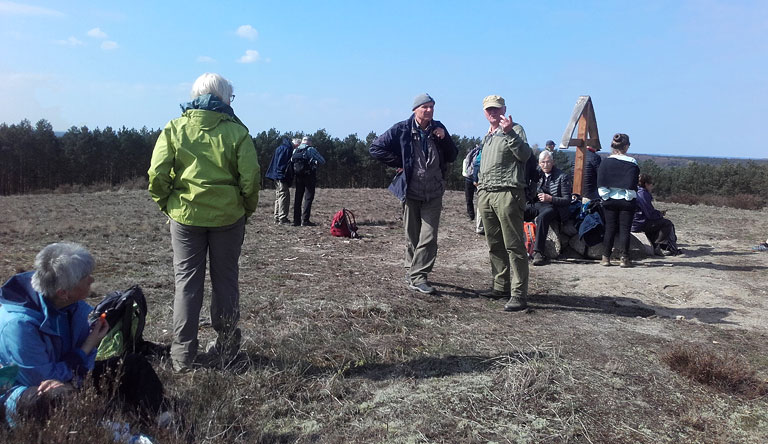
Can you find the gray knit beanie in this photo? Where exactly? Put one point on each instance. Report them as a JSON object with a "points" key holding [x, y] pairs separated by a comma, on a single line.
{"points": [[421, 99]]}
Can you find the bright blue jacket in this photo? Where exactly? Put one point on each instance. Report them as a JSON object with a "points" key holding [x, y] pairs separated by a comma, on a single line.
{"points": [[278, 168], [393, 149], [44, 342]]}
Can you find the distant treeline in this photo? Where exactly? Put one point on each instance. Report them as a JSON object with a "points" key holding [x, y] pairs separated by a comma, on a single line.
{"points": [[33, 159]]}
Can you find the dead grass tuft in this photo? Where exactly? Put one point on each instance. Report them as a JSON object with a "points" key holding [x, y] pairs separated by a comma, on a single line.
{"points": [[730, 373]]}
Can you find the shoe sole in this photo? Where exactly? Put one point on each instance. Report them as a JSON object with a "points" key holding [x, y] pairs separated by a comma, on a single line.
{"points": [[515, 308]]}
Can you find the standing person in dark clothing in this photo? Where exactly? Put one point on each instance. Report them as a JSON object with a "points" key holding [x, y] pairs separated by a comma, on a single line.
{"points": [[589, 181], [305, 160], [421, 149], [659, 230], [617, 185], [279, 170]]}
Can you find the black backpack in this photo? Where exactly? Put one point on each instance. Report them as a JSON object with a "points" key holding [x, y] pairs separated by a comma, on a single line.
{"points": [[300, 160], [126, 313]]}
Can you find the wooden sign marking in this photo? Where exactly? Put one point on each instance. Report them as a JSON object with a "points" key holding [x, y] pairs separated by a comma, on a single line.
{"points": [[583, 115]]}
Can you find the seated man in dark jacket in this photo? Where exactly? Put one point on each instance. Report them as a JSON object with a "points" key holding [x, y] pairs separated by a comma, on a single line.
{"points": [[553, 198]]}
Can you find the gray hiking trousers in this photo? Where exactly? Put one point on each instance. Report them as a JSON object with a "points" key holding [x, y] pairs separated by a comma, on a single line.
{"points": [[191, 246]]}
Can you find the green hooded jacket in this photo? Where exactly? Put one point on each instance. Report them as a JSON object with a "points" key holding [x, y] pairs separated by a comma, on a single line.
{"points": [[204, 170]]}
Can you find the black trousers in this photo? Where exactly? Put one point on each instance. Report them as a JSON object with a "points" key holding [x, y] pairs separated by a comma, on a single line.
{"points": [[543, 214], [305, 190], [618, 219], [658, 232], [469, 195]]}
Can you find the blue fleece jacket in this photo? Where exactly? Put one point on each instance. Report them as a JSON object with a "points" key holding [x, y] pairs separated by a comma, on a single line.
{"points": [[278, 168], [44, 342]]}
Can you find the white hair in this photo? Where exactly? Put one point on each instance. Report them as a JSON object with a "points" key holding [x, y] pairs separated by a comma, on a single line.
{"points": [[61, 266], [306, 140], [210, 83], [296, 141], [544, 154]]}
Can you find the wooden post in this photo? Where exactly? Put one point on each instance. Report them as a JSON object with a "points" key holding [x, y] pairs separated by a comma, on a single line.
{"points": [[583, 115]]}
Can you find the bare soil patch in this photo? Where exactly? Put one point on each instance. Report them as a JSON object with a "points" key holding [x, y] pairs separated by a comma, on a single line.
{"points": [[338, 350]]}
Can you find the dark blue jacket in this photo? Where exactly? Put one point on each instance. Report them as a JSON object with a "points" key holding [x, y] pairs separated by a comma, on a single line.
{"points": [[589, 178], [645, 210], [278, 168], [44, 342], [393, 148]]}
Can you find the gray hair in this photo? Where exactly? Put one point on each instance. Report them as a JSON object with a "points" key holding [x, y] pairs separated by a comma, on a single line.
{"points": [[61, 266], [306, 140], [544, 154], [210, 83], [296, 141]]}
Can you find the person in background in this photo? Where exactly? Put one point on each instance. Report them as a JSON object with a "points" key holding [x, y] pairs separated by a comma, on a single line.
{"points": [[617, 186], [659, 230], [589, 178], [553, 198], [549, 145], [205, 176], [501, 202], [279, 171], [45, 334], [421, 149], [306, 180]]}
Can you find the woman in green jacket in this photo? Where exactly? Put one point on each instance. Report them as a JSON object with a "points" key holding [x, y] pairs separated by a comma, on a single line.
{"points": [[205, 176]]}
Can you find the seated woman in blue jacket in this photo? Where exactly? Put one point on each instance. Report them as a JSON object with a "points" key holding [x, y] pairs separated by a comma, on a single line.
{"points": [[659, 230], [44, 332]]}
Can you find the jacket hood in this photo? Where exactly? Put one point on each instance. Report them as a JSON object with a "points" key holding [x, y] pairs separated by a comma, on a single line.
{"points": [[198, 111], [17, 295]]}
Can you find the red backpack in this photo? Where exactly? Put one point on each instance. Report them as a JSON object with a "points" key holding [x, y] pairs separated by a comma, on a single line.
{"points": [[343, 224], [529, 228]]}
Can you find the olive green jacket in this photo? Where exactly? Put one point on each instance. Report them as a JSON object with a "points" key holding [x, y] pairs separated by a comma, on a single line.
{"points": [[204, 170], [502, 163]]}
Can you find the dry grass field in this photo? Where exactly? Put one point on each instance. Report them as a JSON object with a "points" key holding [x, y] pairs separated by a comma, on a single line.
{"points": [[337, 350]]}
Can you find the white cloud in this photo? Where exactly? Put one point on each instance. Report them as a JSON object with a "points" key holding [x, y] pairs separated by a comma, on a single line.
{"points": [[71, 41], [251, 56], [97, 33], [108, 45], [12, 8], [247, 32], [205, 59]]}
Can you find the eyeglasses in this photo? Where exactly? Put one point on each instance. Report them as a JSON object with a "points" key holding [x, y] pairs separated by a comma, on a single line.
{"points": [[231, 98]]}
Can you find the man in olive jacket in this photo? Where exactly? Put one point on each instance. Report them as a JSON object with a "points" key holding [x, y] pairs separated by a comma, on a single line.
{"points": [[420, 148], [501, 202]]}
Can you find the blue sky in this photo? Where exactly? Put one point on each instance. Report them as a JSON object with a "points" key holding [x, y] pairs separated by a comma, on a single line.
{"points": [[680, 77]]}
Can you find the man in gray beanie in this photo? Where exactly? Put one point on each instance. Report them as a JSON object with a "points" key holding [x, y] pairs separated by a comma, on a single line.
{"points": [[421, 149]]}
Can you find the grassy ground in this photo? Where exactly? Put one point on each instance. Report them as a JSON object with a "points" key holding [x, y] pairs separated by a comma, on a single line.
{"points": [[336, 349]]}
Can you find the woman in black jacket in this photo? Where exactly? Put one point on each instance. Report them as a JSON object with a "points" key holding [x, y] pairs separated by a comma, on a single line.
{"points": [[617, 186]]}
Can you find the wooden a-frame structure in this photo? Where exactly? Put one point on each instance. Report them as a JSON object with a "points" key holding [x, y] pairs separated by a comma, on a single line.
{"points": [[583, 115]]}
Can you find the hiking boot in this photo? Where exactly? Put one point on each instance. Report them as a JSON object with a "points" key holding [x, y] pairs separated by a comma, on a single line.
{"points": [[480, 232], [422, 288], [307, 223], [539, 259], [296, 224], [625, 262], [606, 262], [658, 251], [494, 294], [515, 303], [284, 222]]}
